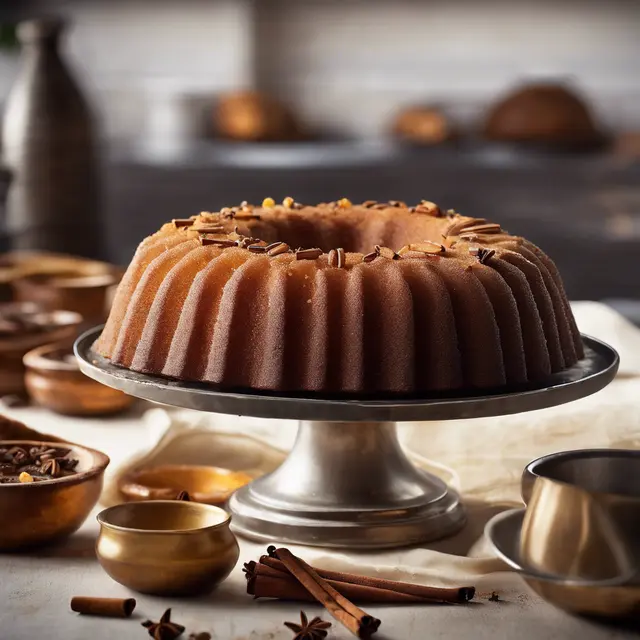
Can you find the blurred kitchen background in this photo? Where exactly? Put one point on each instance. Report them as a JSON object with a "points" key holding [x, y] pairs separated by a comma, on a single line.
{"points": [[368, 99]]}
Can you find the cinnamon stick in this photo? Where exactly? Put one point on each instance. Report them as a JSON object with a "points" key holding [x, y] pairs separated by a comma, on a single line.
{"points": [[107, 607], [454, 595], [265, 582], [353, 618]]}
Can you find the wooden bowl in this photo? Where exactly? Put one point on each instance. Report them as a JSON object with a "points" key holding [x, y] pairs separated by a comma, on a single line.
{"points": [[86, 289], [54, 381], [62, 326], [41, 512], [209, 485]]}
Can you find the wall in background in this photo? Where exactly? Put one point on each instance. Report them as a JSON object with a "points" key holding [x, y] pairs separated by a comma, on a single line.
{"points": [[349, 63]]}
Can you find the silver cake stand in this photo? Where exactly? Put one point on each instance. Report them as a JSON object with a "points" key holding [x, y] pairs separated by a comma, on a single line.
{"points": [[347, 481]]}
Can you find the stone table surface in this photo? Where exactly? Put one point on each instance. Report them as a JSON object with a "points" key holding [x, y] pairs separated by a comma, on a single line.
{"points": [[36, 587]]}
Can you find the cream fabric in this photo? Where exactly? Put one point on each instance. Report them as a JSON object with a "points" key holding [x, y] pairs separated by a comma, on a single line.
{"points": [[483, 458]]}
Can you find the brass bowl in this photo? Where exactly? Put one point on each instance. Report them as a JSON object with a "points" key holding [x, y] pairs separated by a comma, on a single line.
{"points": [[40, 512], [503, 532], [58, 384], [64, 325], [210, 485], [583, 515], [167, 547]]}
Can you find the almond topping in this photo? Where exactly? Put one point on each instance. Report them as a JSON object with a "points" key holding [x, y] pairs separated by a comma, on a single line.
{"points": [[308, 254]]}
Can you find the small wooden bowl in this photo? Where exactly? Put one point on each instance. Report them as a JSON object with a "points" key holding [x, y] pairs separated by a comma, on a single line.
{"points": [[86, 289], [54, 381], [167, 547], [209, 485], [63, 326], [36, 513]]}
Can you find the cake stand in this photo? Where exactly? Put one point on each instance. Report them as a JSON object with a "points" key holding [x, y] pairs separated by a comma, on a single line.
{"points": [[347, 481]]}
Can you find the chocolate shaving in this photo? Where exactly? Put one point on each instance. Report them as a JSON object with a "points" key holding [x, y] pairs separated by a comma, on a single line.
{"points": [[483, 255], [209, 228], [277, 248], [182, 222], [398, 203], [257, 248], [246, 215], [308, 254], [370, 257], [380, 206], [218, 242], [367, 204]]}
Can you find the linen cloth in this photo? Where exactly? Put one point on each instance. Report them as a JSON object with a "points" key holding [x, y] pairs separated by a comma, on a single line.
{"points": [[482, 458]]}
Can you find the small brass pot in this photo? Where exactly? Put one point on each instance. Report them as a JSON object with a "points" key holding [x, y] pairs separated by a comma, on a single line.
{"points": [[60, 386], [167, 547], [36, 513]]}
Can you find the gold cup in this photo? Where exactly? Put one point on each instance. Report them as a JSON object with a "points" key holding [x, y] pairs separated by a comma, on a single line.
{"points": [[167, 547]]}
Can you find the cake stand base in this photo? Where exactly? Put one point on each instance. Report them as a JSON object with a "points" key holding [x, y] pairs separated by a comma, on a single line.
{"points": [[347, 484]]}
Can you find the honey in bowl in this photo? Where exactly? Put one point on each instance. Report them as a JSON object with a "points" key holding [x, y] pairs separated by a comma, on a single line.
{"points": [[209, 485]]}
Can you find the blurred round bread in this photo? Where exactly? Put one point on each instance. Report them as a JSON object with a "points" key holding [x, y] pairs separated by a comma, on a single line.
{"points": [[545, 113], [250, 116], [422, 125]]}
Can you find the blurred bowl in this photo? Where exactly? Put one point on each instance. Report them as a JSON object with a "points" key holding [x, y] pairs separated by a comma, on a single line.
{"points": [[37, 513], [582, 520], [53, 380], [167, 547], [87, 289], [52, 326], [209, 485]]}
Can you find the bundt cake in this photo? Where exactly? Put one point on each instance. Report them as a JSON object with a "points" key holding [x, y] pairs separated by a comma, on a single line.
{"points": [[338, 297]]}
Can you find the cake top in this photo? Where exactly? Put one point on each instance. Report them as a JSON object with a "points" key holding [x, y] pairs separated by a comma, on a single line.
{"points": [[368, 230]]}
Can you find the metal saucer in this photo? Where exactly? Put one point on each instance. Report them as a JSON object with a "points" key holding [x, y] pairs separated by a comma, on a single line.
{"points": [[600, 598], [347, 482]]}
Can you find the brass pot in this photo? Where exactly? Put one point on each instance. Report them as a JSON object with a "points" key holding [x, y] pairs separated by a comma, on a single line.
{"points": [[60, 386], [40, 512], [167, 547]]}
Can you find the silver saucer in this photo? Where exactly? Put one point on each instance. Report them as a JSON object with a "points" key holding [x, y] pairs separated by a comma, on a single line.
{"points": [[606, 598], [347, 482]]}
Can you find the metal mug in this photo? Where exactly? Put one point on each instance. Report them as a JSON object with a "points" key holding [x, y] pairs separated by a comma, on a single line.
{"points": [[582, 521]]}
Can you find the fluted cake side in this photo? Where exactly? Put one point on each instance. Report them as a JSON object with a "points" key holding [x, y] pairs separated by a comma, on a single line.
{"points": [[379, 297]]}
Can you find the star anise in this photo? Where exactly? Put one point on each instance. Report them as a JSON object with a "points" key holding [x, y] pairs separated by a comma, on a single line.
{"points": [[315, 629], [164, 629]]}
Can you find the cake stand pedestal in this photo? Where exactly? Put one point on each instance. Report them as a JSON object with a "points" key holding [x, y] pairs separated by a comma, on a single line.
{"points": [[347, 481]]}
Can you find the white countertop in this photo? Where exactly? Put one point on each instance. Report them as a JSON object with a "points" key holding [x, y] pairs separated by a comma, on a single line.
{"points": [[36, 587]]}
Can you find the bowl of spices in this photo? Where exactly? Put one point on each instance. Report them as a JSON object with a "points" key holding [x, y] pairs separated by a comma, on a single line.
{"points": [[54, 380], [48, 488], [167, 547], [25, 326]]}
